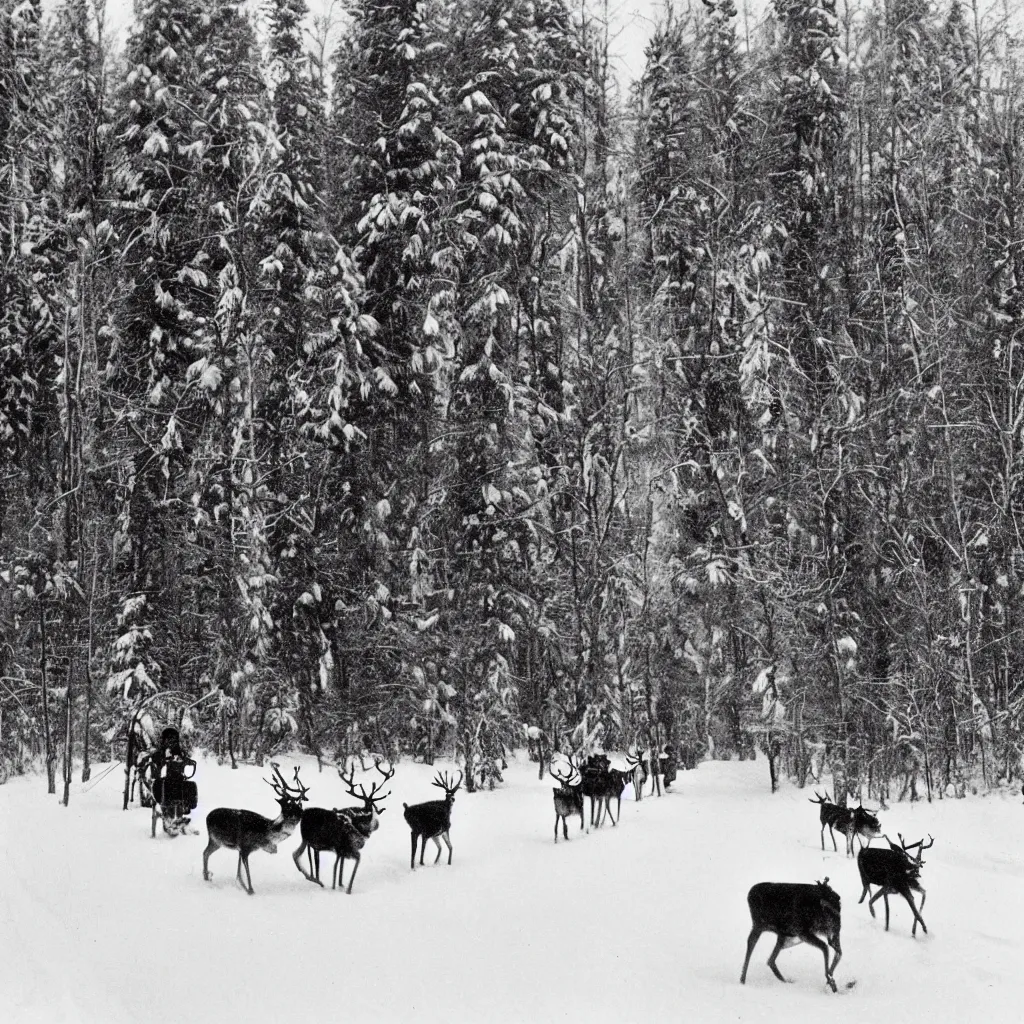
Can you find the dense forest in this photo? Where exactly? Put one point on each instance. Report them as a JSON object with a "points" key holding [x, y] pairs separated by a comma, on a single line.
{"points": [[401, 380]]}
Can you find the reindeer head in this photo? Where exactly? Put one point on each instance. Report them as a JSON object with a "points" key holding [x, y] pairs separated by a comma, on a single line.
{"points": [[289, 798], [450, 788], [372, 801], [865, 823], [567, 780]]}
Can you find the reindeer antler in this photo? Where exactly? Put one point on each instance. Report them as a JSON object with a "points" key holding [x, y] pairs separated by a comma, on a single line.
{"points": [[349, 779], [281, 787], [374, 796], [444, 782], [565, 780]]}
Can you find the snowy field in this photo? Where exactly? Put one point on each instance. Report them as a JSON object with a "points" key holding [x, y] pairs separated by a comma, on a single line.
{"points": [[101, 924]]}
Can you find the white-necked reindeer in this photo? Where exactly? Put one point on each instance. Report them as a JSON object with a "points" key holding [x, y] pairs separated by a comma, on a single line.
{"points": [[246, 831], [341, 830], [638, 773]]}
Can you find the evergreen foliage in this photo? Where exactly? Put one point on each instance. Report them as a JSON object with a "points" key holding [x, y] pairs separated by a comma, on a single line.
{"points": [[414, 395]]}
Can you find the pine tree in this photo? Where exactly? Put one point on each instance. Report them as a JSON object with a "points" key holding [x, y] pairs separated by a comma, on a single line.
{"points": [[393, 171], [26, 236]]}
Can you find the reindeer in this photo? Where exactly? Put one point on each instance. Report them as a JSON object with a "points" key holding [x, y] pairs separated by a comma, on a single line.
{"points": [[858, 821], [795, 913], [568, 797], [593, 783], [433, 819], [614, 783], [343, 830], [246, 831], [638, 773], [897, 873]]}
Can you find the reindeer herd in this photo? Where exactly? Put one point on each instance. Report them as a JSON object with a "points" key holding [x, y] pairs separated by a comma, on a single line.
{"points": [[797, 912], [601, 783], [794, 912], [342, 831]]}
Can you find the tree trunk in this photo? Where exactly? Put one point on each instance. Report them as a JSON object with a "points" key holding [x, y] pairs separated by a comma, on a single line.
{"points": [[86, 767], [68, 735], [129, 759], [51, 776]]}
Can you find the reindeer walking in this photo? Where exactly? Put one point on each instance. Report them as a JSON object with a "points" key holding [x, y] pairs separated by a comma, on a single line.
{"points": [[795, 913], [897, 873], [341, 830], [857, 821], [246, 831]]}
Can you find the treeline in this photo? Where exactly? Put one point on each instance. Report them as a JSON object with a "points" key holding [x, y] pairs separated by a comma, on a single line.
{"points": [[403, 384]]}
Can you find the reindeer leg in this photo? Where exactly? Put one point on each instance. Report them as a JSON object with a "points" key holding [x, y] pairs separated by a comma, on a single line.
{"points": [[298, 854], [437, 843], [565, 827], [779, 946], [813, 940], [918, 919], [355, 868], [210, 848], [423, 849], [245, 861], [152, 834], [556, 826], [839, 955], [448, 843], [823, 835], [874, 899], [867, 889], [755, 934], [835, 849]]}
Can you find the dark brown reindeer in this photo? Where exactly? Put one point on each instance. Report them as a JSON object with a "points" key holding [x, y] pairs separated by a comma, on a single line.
{"points": [[795, 913], [433, 819], [897, 873], [246, 831], [341, 830], [594, 781], [614, 783], [568, 797], [856, 821]]}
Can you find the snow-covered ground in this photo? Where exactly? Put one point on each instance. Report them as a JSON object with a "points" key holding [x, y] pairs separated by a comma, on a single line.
{"points": [[101, 924]]}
